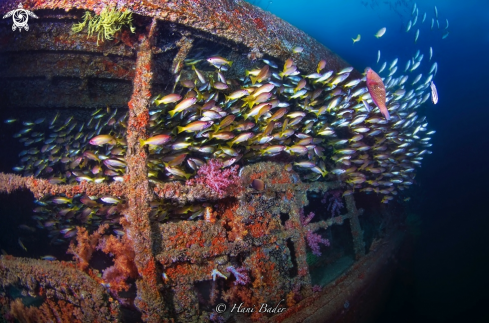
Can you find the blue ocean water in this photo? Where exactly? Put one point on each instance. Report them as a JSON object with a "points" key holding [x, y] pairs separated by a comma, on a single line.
{"points": [[447, 279]]}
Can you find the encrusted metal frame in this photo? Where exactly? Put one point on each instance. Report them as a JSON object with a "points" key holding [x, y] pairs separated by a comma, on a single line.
{"points": [[187, 263], [169, 267]]}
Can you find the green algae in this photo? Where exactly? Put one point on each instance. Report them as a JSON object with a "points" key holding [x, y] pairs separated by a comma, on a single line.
{"points": [[106, 24]]}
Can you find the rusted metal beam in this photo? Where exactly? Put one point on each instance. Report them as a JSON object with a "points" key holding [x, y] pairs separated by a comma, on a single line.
{"points": [[356, 229], [234, 20], [137, 223], [59, 282]]}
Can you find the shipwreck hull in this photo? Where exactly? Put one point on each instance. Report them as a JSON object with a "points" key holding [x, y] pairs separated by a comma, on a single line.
{"points": [[53, 61], [51, 68]]}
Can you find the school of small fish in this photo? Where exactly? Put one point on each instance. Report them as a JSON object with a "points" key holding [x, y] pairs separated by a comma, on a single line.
{"points": [[412, 22], [324, 124]]}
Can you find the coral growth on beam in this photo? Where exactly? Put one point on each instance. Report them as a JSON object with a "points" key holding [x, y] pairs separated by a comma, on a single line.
{"points": [[106, 24]]}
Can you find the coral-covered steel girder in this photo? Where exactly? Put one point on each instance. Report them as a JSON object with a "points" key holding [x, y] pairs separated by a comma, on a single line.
{"points": [[137, 223], [87, 299]]}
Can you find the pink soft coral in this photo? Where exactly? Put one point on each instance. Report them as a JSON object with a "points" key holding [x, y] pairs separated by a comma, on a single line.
{"points": [[222, 181]]}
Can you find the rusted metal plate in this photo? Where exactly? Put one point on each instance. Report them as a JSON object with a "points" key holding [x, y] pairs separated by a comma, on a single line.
{"points": [[236, 21]]}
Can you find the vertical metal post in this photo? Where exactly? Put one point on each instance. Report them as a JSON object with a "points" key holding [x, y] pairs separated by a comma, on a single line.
{"points": [[356, 229], [137, 222]]}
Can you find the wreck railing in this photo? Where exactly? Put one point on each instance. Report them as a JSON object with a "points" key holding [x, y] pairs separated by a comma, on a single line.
{"points": [[184, 264]]}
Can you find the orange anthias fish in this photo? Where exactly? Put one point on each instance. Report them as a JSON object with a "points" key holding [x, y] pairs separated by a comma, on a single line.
{"points": [[376, 89]]}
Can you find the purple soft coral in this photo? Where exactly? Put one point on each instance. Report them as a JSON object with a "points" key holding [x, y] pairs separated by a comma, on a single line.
{"points": [[240, 274], [218, 179], [335, 203], [305, 220], [316, 289], [313, 239]]}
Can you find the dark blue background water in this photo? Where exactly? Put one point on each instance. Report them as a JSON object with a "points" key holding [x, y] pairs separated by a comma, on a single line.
{"points": [[447, 281]]}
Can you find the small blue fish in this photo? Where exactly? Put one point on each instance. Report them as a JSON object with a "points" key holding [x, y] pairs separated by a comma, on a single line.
{"points": [[48, 257]]}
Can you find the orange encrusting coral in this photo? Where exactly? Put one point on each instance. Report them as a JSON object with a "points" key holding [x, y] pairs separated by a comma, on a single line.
{"points": [[41, 187], [49, 311], [230, 220], [259, 228], [181, 238], [64, 290]]}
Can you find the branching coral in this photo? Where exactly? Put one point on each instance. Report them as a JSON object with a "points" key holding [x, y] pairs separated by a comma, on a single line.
{"points": [[50, 311], [124, 266], [106, 24], [21, 312], [313, 239], [85, 246], [240, 274], [335, 204], [121, 249]]}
